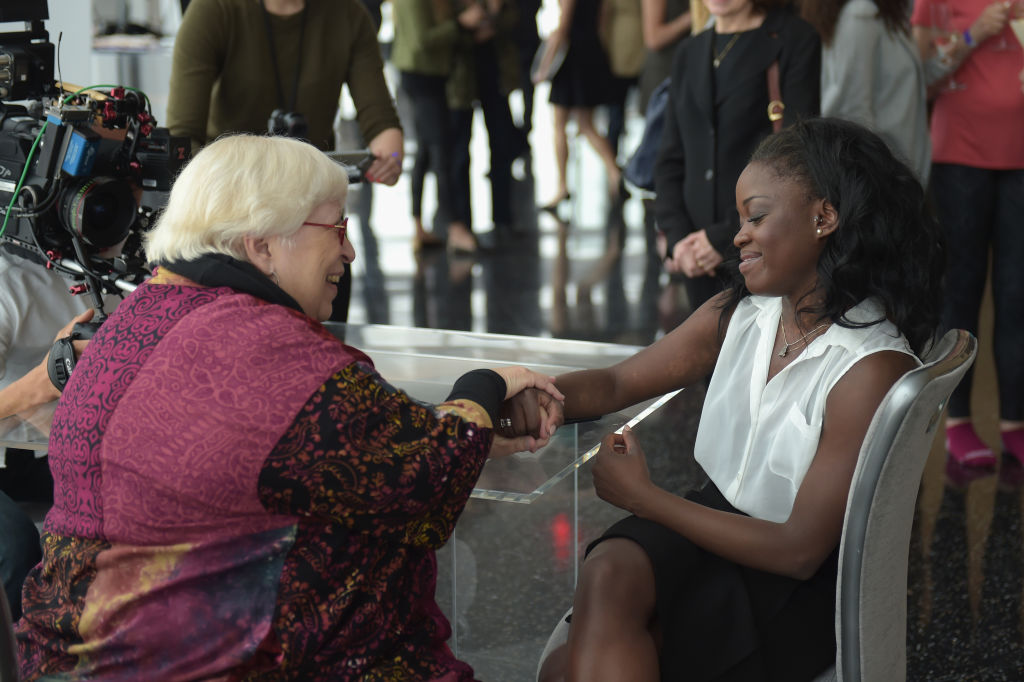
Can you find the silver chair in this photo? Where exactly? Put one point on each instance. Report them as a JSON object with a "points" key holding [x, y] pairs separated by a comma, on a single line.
{"points": [[871, 590], [871, 594], [8, 649]]}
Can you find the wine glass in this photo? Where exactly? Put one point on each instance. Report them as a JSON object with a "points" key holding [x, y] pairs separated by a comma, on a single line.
{"points": [[999, 43], [945, 38], [1017, 21]]}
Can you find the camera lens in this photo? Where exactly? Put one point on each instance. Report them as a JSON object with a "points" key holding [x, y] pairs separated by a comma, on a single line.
{"points": [[99, 210]]}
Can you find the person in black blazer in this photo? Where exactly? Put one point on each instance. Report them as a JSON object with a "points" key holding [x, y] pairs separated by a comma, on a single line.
{"points": [[717, 113]]}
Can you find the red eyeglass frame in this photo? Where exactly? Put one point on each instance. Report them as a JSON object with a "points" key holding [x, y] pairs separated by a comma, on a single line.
{"points": [[341, 227]]}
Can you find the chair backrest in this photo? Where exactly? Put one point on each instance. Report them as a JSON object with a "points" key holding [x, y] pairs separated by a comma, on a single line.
{"points": [[8, 650], [871, 599]]}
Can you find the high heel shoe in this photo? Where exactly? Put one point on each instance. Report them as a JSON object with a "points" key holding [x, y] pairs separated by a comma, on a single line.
{"points": [[552, 207], [461, 242], [426, 240]]}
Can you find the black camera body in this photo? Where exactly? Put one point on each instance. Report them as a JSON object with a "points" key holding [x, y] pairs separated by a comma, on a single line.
{"points": [[81, 175], [288, 124]]}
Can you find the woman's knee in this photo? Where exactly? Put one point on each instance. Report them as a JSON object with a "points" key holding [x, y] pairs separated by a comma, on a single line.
{"points": [[618, 569]]}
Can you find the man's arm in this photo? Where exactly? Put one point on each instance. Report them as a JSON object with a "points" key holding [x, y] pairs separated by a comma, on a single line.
{"points": [[35, 388]]}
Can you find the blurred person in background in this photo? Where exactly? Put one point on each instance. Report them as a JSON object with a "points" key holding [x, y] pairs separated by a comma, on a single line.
{"points": [[717, 114], [665, 24], [582, 83], [484, 72], [237, 62], [622, 35], [423, 51], [871, 73], [977, 181]]}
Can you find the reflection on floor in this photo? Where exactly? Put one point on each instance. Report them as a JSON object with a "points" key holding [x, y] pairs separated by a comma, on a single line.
{"points": [[509, 573]]}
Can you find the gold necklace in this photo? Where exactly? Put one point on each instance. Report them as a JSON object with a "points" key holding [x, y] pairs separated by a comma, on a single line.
{"points": [[728, 46], [785, 349]]}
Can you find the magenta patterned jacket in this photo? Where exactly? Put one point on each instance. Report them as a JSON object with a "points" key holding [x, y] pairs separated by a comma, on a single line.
{"points": [[240, 496]]}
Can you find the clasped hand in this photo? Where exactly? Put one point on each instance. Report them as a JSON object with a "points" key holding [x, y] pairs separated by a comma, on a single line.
{"points": [[531, 413], [694, 256]]}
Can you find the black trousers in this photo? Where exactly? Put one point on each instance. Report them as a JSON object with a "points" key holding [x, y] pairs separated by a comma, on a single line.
{"points": [[502, 136], [431, 121], [980, 211]]}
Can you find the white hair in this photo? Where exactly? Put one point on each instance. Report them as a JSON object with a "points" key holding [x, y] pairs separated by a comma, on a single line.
{"points": [[243, 185]]}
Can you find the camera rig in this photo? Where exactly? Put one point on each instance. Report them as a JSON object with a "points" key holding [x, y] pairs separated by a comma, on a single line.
{"points": [[83, 171]]}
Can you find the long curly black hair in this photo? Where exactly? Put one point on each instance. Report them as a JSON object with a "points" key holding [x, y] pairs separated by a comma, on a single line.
{"points": [[887, 244]]}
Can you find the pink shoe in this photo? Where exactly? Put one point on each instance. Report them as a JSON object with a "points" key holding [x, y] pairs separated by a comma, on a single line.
{"points": [[964, 446]]}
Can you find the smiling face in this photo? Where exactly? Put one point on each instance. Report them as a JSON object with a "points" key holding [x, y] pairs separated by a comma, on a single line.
{"points": [[308, 263], [778, 237]]}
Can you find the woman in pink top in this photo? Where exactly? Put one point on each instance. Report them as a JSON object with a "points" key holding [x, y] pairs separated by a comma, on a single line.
{"points": [[977, 131]]}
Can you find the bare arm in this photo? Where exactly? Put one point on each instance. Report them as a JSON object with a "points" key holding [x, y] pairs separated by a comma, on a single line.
{"points": [[657, 32], [35, 388], [678, 359], [938, 66], [797, 547]]}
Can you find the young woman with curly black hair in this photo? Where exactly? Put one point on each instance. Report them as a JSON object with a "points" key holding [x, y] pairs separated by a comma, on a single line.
{"points": [[835, 295]]}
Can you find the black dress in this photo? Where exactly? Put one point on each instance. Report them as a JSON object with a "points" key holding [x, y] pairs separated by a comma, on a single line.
{"points": [[585, 79], [728, 623]]}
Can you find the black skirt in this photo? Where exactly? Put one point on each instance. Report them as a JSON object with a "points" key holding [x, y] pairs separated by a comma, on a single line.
{"points": [[722, 621]]}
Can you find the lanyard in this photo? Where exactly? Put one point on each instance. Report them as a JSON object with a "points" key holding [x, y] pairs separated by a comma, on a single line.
{"points": [[273, 57]]}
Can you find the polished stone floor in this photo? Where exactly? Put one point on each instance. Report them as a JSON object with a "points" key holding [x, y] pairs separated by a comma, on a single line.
{"points": [[509, 573]]}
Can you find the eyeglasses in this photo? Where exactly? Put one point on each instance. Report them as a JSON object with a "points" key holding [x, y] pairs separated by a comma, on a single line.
{"points": [[341, 227]]}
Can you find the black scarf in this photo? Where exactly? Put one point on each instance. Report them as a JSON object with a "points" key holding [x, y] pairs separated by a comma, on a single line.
{"points": [[220, 270]]}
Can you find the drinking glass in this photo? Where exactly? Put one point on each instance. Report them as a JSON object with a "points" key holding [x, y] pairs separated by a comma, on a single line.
{"points": [[1017, 21], [945, 38]]}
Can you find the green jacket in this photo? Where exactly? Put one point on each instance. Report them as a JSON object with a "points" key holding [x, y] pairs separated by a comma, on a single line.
{"points": [[222, 75], [462, 82], [425, 36]]}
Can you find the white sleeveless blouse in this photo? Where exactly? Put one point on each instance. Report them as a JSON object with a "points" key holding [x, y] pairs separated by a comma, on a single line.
{"points": [[756, 440]]}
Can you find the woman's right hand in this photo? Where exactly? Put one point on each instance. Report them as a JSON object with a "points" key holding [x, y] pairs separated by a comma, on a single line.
{"points": [[990, 22]]}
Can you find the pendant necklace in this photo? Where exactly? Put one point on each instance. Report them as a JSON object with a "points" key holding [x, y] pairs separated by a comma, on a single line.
{"points": [[789, 344], [728, 46]]}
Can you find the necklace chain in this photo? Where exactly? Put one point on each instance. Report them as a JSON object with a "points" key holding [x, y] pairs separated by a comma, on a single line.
{"points": [[728, 46], [790, 344]]}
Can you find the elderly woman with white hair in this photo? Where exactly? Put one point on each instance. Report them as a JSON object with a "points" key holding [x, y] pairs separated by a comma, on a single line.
{"points": [[238, 493]]}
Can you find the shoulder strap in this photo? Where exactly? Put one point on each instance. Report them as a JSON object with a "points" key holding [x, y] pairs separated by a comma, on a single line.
{"points": [[775, 103]]}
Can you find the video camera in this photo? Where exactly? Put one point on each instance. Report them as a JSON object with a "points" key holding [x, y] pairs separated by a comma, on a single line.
{"points": [[83, 172]]}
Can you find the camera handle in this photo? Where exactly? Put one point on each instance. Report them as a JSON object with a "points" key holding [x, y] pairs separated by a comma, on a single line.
{"points": [[61, 360]]}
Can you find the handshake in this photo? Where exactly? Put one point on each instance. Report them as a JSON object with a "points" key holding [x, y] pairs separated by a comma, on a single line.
{"points": [[530, 414]]}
